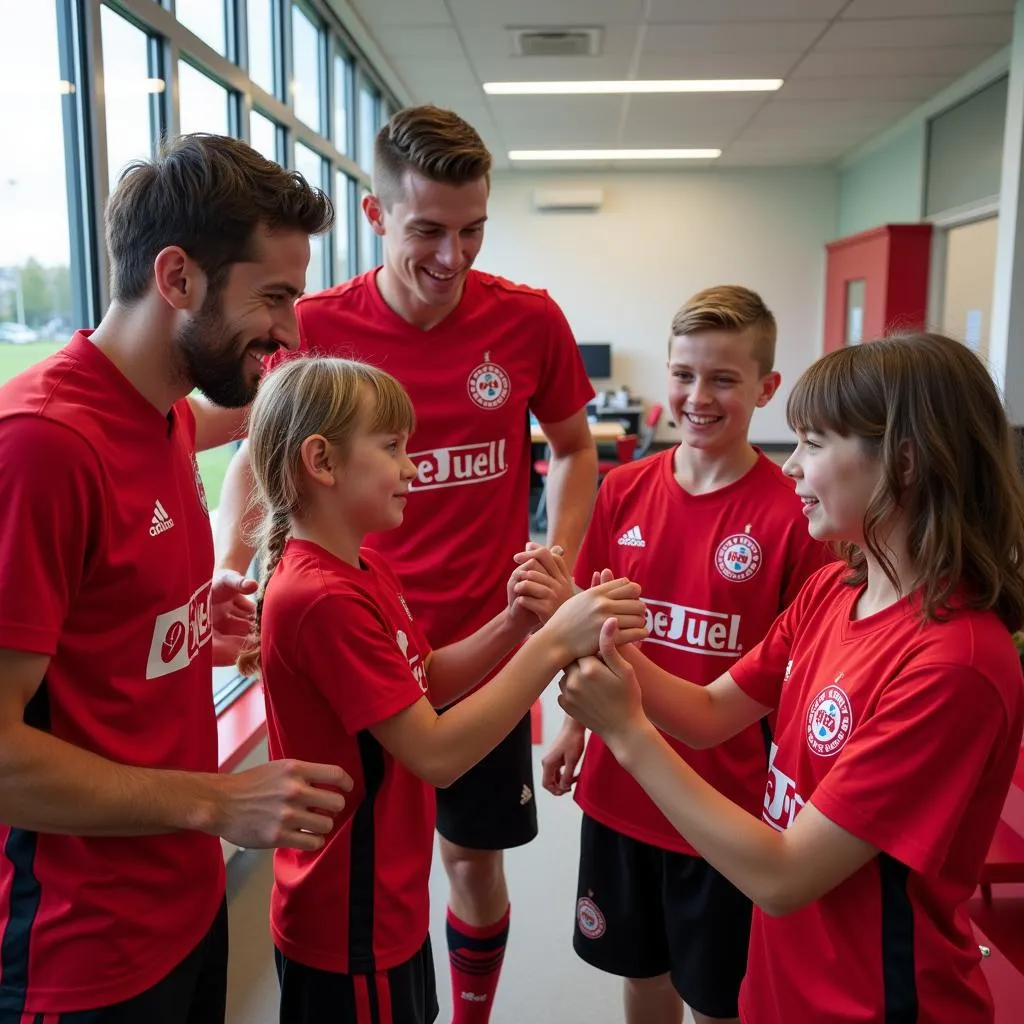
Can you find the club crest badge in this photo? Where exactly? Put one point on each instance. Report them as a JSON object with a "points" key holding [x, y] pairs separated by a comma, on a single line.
{"points": [[738, 557], [489, 385]]}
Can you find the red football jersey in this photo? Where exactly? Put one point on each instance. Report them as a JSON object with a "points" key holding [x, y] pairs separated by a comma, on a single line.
{"points": [[716, 569], [341, 652], [905, 735], [505, 351], [106, 558]]}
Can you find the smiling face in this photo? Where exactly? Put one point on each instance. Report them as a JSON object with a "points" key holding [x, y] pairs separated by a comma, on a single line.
{"points": [[836, 478], [250, 316], [715, 384], [432, 235]]}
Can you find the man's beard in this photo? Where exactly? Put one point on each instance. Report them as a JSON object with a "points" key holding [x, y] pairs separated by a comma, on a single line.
{"points": [[212, 360]]}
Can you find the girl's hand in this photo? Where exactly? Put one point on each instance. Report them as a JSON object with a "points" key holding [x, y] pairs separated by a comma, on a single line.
{"points": [[576, 626], [602, 693], [539, 586]]}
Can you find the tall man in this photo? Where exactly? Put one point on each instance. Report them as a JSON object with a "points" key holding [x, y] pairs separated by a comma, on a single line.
{"points": [[477, 354], [111, 873]]}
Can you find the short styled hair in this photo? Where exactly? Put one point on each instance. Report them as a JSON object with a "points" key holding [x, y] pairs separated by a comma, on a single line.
{"points": [[431, 141], [730, 307], [207, 194]]}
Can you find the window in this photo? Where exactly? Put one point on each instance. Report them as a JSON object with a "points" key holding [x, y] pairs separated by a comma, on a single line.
{"points": [[260, 29], [206, 19], [35, 244], [342, 101], [307, 72], [311, 166], [127, 91], [342, 191], [367, 124], [202, 102], [263, 135]]}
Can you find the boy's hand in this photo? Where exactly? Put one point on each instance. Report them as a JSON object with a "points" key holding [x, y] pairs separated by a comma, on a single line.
{"points": [[576, 626], [558, 765], [602, 693], [539, 586]]}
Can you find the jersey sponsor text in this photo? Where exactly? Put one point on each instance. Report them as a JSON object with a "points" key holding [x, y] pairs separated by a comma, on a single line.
{"points": [[179, 634], [693, 629], [463, 464], [781, 800]]}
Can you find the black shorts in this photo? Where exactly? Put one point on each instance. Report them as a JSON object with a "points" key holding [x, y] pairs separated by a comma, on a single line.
{"points": [[405, 994], [642, 911], [195, 992], [492, 806]]}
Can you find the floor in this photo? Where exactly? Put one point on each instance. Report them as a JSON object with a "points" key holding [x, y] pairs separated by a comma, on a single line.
{"points": [[542, 980]]}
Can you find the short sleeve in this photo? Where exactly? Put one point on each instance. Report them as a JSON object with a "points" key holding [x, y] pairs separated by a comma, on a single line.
{"points": [[51, 528], [593, 554], [761, 672], [932, 732], [564, 386], [354, 659]]}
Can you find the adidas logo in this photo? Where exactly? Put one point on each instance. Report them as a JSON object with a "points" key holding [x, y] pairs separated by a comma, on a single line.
{"points": [[474, 997], [526, 796], [632, 538], [161, 521]]}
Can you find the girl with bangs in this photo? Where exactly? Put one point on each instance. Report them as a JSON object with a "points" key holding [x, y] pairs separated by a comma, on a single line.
{"points": [[349, 677], [898, 697]]}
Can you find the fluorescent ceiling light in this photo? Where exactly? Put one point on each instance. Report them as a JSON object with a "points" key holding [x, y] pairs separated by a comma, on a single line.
{"points": [[614, 154], [679, 85]]}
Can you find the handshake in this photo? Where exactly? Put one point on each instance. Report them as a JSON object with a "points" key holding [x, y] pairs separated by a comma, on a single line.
{"points": [[587, 629]]}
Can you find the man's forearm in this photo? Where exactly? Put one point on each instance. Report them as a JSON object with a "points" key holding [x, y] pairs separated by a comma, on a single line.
{"points": [[237, 514], [48, 785], [572, 485]]}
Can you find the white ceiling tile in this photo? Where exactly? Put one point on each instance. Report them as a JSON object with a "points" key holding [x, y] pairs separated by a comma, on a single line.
{"points": [[491, 41], [744, 37], [928, 61], [923, 8], [979, 30], [527, 13], [811, 114], [401, 13], [420, 42], [550, 69], [687, 120], [850, 87], [675, 11], [429, 71], [718, 65]]}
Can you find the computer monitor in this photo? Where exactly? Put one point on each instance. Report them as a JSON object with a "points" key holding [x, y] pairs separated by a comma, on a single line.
{"points": [[597, 358]]}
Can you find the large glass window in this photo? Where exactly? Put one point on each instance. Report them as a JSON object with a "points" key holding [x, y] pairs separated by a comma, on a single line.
{"points": [[203, 103], [263, 135], [311, 166], [342, 102], [127, 89], [342, 258], [260, 29], [368, 123], [206, 19], [35, 246], [307, 72]]}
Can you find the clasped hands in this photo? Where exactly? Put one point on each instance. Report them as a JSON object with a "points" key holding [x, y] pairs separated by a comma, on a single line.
{"points": [[599, 688]]}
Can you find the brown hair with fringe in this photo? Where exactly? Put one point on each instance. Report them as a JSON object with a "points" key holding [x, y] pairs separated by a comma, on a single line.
{"points": [[964, 499], [330, 397]]}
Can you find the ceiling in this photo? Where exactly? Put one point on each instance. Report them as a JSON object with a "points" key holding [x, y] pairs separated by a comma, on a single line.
{"points": [[851, 68]]}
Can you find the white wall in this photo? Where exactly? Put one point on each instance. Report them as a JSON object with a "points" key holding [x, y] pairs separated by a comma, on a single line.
{"points": [[620, 274]]}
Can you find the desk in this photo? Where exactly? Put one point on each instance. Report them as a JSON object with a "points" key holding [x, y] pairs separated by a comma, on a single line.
{"points": [[602, 433], [631, 414]]}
